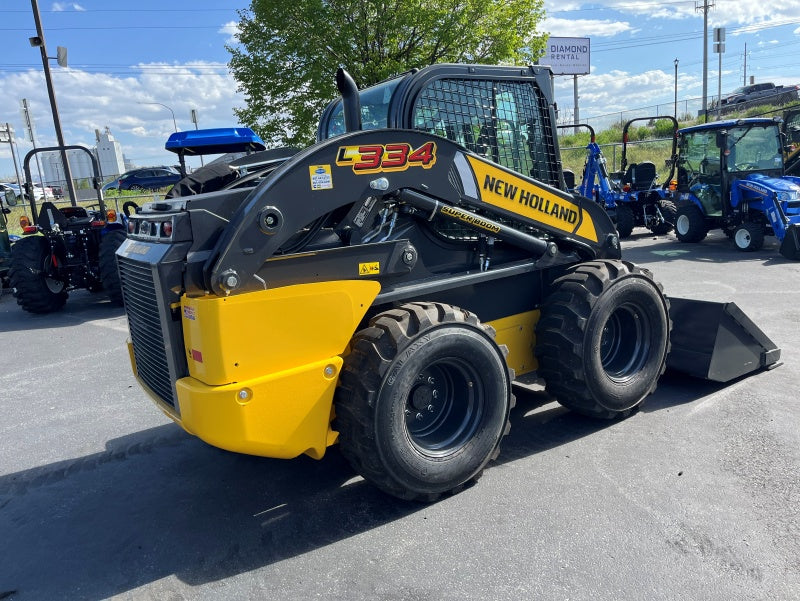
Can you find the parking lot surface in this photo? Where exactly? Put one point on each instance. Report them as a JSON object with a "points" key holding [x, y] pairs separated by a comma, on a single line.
{"points": [[694, 497]]}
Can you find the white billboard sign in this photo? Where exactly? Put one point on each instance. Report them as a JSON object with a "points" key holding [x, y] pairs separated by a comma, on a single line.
{"points": [[567, 56]]}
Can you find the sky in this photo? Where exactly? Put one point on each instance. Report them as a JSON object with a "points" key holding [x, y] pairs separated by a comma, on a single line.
{"points": [[132, 67]]}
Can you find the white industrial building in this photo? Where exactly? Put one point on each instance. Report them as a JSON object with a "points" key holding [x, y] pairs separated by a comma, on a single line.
{"points": [[108, 152]]}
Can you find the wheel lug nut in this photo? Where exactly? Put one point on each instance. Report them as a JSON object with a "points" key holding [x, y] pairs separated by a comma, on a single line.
{"points": [[430, 408], [419, 416], [435, 394], [431, 381]]}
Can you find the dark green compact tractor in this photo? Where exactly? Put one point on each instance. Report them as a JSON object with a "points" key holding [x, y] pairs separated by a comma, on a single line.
{"points": [[65, 248]]}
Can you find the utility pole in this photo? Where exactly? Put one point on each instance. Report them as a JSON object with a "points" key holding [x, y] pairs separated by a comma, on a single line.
{"points": [[38, 41], [675, 110], [744, 79], [719, 48], [705, 7]]}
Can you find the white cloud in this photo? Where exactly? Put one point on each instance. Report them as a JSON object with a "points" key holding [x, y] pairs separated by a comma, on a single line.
{"points": [[576, 28], [230, 29], [64, 6], [89, 101], [618, 91]]}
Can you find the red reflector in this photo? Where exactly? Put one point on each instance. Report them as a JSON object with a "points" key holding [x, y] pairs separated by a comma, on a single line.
{"points": [[626, 188], [166, 229], [98, 223], [29, 229], [197, 356], [131, 227]]}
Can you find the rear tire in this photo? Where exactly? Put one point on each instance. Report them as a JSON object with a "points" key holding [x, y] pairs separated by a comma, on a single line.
{"points": [[35, 291], [423, 400], [749, 236], [690, 224], [668, 213], [624, 220], [107, 259], [602, 338]]}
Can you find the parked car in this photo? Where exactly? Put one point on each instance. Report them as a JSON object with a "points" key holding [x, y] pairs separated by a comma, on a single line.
{"points": [[111, 185], [4, 186], [767, 92], [148, 178], [39, 192]]}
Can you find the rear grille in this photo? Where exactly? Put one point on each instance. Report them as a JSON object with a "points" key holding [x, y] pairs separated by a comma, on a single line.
{"points": [[144, 323]]}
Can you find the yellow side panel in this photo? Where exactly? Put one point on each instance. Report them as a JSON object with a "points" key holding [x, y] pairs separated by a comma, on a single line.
{"points": [[517, 333], [237, 338], [280, 415], [505, 190], [263, 365]]}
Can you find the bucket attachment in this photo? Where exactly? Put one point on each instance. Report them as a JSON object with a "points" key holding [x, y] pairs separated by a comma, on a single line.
{"points": [[790, 247], [717, 341]]}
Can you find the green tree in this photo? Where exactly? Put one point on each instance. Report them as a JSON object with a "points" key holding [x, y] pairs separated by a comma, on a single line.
{"points": [[289, 50]]}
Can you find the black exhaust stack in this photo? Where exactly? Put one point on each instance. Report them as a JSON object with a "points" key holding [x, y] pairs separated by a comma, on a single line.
{"points": [[351, 104], [717, 341]]}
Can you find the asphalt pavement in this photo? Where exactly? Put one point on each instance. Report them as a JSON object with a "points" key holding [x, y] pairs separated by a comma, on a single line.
{"points": [[695, 497]]}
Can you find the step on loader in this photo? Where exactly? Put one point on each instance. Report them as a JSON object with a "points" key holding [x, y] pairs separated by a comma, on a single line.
{"points": [[386, 288]]}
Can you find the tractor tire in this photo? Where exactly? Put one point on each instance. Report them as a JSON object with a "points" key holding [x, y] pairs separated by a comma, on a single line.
{"points": [[624, 220], [423, 400], [107, 259], [602, 338], [34, 290], [749, 236], [690, 224], [668, 213]]}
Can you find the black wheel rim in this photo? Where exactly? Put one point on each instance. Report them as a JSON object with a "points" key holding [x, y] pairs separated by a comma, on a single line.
{"points": [[444, 407], [624, 342]]}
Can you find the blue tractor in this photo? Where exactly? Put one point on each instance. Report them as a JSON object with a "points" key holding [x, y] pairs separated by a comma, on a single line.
{"points": [[731, 177], [632, 197]]}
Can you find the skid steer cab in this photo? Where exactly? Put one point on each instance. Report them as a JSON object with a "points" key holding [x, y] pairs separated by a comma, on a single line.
{"points": [[386, 287], [731, 177], [65, 248]]}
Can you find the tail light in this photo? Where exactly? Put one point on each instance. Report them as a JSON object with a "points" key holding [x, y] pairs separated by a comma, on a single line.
{"points": [[626, 188], [131, 226], [29, 229], [166, 229]]}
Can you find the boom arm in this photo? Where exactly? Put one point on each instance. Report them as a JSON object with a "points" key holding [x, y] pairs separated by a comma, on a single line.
{"points": [[418, 171]]}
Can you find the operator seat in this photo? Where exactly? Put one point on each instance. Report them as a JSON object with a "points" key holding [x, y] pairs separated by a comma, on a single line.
{"points": [[640, 176], [50, 216]]}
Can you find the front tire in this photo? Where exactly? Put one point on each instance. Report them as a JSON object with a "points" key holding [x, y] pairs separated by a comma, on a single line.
{"points": [[749, 236], [35, 288], [690, 224], [423, 400], [602, 338], [624, 220], [107, 259]]}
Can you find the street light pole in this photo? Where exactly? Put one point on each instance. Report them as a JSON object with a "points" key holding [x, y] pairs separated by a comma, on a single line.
{"points": [[174, 123], [676, 90], [39, 41]]}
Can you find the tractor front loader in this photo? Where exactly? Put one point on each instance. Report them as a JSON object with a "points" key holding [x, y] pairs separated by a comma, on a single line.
{"points": [[385, 287]]}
